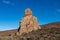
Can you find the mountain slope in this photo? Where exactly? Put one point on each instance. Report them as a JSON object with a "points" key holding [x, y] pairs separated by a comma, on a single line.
{"points": [[51, 25], [8, 32], [46, 26]]}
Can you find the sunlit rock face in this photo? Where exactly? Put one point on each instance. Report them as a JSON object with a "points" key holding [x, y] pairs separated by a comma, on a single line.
{"points": [[28, 23], [28, 12]]}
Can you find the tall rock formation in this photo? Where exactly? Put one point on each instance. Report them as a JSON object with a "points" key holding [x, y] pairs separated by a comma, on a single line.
{"points": [[28, 22]]}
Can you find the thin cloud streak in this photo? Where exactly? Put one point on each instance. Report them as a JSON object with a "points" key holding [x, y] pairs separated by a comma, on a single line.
{"points": [[8, 2]]}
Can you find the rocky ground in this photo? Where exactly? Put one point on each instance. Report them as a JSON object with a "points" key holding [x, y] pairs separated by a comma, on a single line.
{"points": [[49, 31], [43, 34]]}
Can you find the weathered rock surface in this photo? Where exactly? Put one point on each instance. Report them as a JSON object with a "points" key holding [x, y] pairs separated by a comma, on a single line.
{"points": [[28, 22]]}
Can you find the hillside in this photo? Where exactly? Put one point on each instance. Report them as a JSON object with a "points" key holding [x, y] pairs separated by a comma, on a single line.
{"points": [[49, 31], [43, 34], [8, 32], [49, 25]]}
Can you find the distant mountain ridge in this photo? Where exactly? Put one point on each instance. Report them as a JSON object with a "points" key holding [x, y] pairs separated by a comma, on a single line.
{"points": [[8, 32], [51, 25]]}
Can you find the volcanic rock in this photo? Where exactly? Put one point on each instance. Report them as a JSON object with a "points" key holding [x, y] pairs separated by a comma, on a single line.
{"points": [[28, 23]]}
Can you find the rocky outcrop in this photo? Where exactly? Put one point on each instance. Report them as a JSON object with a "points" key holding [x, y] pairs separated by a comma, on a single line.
{"points": [[28, 23]]}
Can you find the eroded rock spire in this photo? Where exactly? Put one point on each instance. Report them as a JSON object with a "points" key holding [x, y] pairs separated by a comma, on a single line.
{"points": [[28, 22]]}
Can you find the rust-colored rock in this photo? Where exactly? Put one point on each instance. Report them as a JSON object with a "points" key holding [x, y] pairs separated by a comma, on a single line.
{"points": [[28, 23]]}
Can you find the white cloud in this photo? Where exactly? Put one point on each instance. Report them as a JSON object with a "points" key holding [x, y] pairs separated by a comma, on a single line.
{"points": [[7, 2]]}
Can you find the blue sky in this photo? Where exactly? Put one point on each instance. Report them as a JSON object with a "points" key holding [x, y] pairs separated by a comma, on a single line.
{"points": [[11, 11]]}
